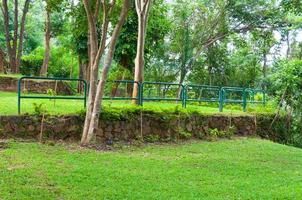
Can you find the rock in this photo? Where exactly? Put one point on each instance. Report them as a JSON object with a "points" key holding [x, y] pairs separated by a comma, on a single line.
{"points": [[189, 127]]}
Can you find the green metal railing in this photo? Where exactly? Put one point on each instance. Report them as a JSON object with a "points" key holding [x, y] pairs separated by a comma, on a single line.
{"points": [[114, 94], [226, 93], [20, 96], [161, 91], [201, 93], [253, 92]]}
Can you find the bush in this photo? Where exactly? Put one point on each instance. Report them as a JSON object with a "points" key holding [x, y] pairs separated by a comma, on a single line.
{"points": [[31, 63], [60, 63], [214, 134]]}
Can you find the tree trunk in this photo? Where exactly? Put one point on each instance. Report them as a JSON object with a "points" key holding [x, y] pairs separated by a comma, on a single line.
{"points": [[2, 71], [288, 45], [5, 13], [15, 39], [21, 33], [92, 124], [82, 73], [14, 44], [264, 70], [93, 61], [142, 10], [2, 62], [139, 60], [184, 56], [44, 68]]}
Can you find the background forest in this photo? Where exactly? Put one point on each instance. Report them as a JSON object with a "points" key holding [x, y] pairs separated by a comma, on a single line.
{"points": [[247, 43]]}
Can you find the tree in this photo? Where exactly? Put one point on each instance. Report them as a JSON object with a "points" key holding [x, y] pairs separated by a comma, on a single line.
{"points": [[264, 41], [208, 23], [157, 29], [96, 89], [198, 24], [79, 40], [286, 86], [14, 42], [43, 70], [2, 62], [51, 6], [142, 10]]}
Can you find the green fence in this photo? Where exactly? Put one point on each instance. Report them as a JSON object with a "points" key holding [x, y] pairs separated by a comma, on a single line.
{"points": [[201, 93], [162, 91], [53, 96], [232, 95], [122, 90]]}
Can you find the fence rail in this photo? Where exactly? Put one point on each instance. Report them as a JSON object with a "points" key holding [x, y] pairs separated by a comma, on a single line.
{"points": [[161, 91], [24, 96]]}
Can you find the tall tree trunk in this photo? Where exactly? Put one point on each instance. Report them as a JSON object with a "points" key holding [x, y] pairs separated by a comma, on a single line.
{"points": [[82, 72], [21, 33], [142, 10], [264, 70], [185, 55], [92, 124], [44, 68], [15, 39], [288, 45], [14, 44], [5, 13], [94, 49], [2, 62]]}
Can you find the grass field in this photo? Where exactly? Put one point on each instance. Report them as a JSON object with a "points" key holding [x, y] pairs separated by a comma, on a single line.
{"points": [[8, 106], [11, 75], [227, 169]]}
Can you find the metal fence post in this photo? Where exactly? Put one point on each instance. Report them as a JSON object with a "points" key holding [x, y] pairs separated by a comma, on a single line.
{"points": [[244, 100], [85, 93], [19, 100], [221, 99], [141, 93], [184, 95]]}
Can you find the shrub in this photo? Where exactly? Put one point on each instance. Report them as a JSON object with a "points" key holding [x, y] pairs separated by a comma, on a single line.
{"points": [[60, 63], [31, 63], [184, 134], [214, 134], [39, 109], [151, 138]]}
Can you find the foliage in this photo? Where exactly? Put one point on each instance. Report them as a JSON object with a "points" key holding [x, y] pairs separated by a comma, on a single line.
{"points": [[151, 138], [286, 85], [158, 27], [30, 64], [214, 134], [183, 134], [39, 109], [60, 64]]}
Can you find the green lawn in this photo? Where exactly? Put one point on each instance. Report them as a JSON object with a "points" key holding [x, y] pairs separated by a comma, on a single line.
{"points": [[227, 169], [11, 75], [8, 106]]}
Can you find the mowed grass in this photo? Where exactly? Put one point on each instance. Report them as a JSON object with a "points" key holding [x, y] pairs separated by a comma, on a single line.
{"points": [[8, 106], [11, 75], [227, 169]]}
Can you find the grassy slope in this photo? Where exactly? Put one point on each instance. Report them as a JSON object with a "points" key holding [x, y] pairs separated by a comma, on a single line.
{"points": [[227, 169], [8, 106]]}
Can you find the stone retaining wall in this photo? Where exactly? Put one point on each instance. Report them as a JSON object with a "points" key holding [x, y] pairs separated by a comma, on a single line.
{"points": [[10, 84], [153, 127]]}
